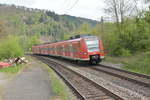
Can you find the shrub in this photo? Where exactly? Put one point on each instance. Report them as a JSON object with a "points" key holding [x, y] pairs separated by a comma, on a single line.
{"points": [[32, 40], [125, 52], [10, 47]]}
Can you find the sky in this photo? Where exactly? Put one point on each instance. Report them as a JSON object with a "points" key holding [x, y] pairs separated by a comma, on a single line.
{"points": [[92, 9]]}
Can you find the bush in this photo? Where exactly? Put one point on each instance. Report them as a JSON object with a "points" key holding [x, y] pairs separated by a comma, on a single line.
{"points": [[28, 41], [147, 54], [124, 52], [33, 40], [10, 47]]}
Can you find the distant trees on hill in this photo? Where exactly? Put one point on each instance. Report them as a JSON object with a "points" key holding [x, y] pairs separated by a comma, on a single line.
{"points": [[31, 21], [53, 15]]}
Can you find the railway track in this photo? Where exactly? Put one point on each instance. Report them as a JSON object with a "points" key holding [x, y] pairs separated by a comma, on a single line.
{"points": [[133, 82], [141, 79], [84, 87], [128, 84], [130, 76]]}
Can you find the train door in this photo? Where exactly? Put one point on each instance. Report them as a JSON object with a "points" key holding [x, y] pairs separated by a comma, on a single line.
{"points": [[75, 50], [49, 49], [65, 50], [57, 50], [61, 49], [83, 53], [54, 50], [71, 50], [46, 50], [78, 49]]}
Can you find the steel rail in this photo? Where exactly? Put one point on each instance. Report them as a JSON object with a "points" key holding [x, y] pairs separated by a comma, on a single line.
{"points": [[58, 70], [77, 93], [129, 72], [133, 77]]}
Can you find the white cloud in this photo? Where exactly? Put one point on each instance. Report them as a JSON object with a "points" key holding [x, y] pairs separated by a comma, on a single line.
{"points": [[27, 3], [84, 8], [88, 8]]}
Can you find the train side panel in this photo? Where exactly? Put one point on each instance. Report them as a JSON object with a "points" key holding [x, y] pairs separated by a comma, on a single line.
{"points": [[77, 49]]}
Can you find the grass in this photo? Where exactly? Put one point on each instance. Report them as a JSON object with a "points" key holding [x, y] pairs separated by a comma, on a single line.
{"points": [[11, 69], [139, 62], [58, 87], [56, 84]]}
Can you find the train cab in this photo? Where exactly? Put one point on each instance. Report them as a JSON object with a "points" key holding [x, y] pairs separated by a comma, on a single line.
{"points": [[92, 49]]}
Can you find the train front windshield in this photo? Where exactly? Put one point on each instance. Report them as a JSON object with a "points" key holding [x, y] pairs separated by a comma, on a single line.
{"points": [[92, 45]]}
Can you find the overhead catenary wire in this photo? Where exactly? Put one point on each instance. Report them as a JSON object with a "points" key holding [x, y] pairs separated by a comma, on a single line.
{"points": [[74, 4], [64, 6]]}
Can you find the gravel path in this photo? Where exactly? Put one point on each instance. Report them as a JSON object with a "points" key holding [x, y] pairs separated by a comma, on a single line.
{"points": [[32, 84]]}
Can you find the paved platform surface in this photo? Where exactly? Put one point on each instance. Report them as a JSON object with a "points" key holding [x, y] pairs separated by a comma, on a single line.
{"points": [[32, 84]]}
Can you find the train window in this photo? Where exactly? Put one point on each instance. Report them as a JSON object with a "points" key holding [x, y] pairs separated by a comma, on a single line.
{"points": [[49, 49], [65, 48], [70, 48], [92, 45], [52, 49], [74, 48], [59, 49]]}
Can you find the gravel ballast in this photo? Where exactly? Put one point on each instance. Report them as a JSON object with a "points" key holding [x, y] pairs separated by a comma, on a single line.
{"points": [[123, 88]]}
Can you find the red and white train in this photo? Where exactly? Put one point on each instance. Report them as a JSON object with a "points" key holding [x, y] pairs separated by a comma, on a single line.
{"points": [[79, 48]]}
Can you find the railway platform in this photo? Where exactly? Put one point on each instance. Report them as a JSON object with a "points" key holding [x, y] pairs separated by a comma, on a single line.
{"points": [[32, 83]]}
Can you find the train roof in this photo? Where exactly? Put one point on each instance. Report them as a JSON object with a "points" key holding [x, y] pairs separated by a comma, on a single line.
{"points": [[80, 36], [75, 38]]}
